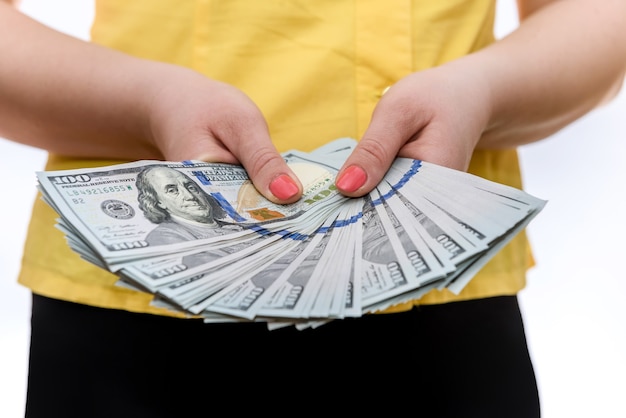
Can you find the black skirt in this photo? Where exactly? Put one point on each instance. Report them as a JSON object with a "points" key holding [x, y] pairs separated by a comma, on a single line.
{"points": [[460, 359]]}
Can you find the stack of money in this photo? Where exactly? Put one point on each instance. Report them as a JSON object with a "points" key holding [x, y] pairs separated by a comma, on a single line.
{"points": [[202, 240]]}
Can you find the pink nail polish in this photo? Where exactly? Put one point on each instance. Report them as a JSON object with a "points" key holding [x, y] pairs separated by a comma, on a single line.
{"points": [[283, 187], [351, 179]]}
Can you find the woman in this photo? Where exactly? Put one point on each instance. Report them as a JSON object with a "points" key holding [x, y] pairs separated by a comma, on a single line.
{"points": [[239, 81]]}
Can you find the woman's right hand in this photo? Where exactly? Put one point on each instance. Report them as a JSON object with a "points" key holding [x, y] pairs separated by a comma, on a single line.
{"points": [[192, 117], [81, 100]]}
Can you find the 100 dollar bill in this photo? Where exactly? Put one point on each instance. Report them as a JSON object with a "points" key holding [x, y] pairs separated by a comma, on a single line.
{"points": [[118, 210]]}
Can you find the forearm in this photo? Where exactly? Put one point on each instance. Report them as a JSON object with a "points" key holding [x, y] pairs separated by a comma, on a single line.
{"points": [[69, 96], [563, 61]]}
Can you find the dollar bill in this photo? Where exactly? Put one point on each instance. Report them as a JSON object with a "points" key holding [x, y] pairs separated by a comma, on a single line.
{"points": [[116, 212], [202, 240]]}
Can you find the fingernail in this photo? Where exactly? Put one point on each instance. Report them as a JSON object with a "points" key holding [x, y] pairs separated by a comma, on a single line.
{"points": [[283, 187], [351, 179]]}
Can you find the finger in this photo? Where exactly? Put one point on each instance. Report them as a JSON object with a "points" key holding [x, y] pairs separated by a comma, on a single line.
{"points": [[249, 140], [267, 170], [194, 142], [270, 174], [391, 127], [208, 149], [434, 146]]}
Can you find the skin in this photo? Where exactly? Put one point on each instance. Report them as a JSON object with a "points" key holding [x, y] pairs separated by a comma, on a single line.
{"points": [[129, 108], [566, 58]]}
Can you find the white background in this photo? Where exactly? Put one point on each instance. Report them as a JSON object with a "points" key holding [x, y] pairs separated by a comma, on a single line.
{"points": [[574, 302]]}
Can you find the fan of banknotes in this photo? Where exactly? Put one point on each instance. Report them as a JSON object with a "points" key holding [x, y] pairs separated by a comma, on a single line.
{"points": [[202, 240]]}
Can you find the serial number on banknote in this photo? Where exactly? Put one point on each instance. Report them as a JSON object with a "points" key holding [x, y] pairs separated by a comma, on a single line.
{"points": [[97, 190]]}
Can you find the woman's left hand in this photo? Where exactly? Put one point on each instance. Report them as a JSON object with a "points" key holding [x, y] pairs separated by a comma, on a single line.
{"points": [[436, 115]]}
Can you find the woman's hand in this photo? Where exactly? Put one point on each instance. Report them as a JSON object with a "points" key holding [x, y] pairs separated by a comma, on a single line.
{"points": [[565, 59], [193, 117], [436, 115], [93, 102]]}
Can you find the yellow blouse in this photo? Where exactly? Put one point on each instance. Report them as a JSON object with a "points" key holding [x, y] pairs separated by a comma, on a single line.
{"points": [[315, 68]]}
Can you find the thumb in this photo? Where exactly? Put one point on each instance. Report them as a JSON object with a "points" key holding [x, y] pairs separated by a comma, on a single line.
{"points": [[266, 168], [368, 163], [270, 174]]}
